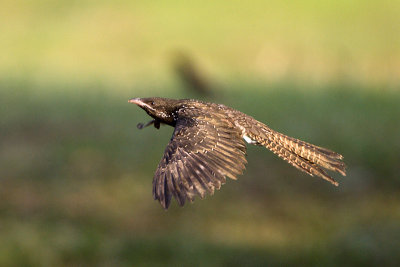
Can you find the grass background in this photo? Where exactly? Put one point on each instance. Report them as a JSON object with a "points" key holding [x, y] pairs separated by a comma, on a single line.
{"points": [[75, 173]]}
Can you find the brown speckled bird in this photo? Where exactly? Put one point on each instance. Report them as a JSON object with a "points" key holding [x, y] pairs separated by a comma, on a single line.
{"points": [[208, 145]]}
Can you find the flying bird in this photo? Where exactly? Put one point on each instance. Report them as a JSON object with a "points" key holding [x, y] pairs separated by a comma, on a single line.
{"points": [[208, 145]]}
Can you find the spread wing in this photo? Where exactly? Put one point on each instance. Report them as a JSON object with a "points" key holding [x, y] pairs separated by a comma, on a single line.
{"points": [[204, 149]]}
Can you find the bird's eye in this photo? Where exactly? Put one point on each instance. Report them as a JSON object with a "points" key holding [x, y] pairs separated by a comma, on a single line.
{"points": [[152, 103]]}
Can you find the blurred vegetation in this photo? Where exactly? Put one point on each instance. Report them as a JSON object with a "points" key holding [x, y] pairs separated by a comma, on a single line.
{"points": [[75, 173]]}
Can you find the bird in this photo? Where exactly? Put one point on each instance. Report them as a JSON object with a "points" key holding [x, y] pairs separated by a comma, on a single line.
{"points": [[208, 145]]}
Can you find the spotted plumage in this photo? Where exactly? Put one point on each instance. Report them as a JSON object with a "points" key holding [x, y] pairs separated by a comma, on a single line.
{"points": [[208, 145]]}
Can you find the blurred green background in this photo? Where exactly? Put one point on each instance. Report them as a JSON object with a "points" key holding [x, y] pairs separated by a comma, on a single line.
{"points": [[75, 173]]}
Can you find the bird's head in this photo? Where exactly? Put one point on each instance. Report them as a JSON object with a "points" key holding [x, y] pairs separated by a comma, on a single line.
{"points": [[161, 109]]}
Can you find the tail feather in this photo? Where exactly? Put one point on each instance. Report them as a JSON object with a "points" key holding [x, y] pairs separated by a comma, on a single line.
{"points": [[321, 156], [288, 139], [298, 161], [304, 156]]}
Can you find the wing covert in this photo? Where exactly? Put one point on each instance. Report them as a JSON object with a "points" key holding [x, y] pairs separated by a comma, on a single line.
{"points": [[203, 150]]}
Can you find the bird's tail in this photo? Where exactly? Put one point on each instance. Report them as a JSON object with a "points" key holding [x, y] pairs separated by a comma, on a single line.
{"points": [[306, 157]]}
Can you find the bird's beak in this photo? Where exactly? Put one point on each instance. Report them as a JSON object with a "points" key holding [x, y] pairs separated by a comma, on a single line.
{"points": [[141, 103], [137, 101]]}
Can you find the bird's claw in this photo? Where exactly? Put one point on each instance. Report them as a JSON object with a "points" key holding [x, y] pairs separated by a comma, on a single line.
{"points": [[140, 126], [155, 122]]}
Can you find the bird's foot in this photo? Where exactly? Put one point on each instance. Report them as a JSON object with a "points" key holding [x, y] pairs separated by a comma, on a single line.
{"points": [[155, 122]]}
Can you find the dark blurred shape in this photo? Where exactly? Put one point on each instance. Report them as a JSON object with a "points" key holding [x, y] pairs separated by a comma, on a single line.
{"points": [[193, 79]]}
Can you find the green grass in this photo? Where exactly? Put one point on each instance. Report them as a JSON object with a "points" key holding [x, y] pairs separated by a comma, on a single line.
{"points": [[76, 182], [75, 172]]}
